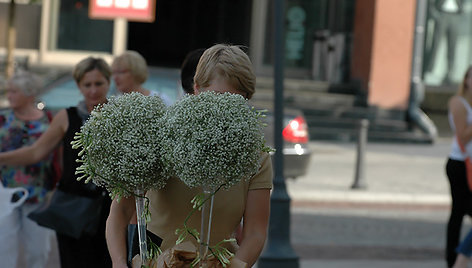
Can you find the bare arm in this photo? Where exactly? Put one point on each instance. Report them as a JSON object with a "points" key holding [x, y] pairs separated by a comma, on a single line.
{"points": [[459, 115], [42, 147], [255, 222], [120, 215]]}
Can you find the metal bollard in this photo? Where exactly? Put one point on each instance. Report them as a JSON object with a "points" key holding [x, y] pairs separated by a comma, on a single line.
{"points": [[359, 178]]}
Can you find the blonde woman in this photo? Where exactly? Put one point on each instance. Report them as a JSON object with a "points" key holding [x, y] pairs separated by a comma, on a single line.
{"points": [[221, 68]]}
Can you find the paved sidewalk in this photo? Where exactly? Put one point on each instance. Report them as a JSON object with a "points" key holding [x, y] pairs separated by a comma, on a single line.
{"points": [[398, 220], [394, 173]]}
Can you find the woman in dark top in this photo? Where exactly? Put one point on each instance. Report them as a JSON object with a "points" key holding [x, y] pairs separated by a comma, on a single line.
{"points": [[92, 76]]}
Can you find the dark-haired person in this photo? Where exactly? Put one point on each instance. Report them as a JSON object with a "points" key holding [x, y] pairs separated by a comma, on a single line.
{"points": [[188, 68]]}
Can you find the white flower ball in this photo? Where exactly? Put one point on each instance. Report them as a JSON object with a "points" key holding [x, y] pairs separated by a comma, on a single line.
{"points": [[120, 146], [212, 139]]}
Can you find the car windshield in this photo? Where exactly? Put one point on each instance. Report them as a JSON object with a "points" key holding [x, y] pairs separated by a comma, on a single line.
{"points": [[64, 92]]}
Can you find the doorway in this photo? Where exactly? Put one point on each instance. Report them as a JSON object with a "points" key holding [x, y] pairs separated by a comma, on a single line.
{"points": [[184, 25]]}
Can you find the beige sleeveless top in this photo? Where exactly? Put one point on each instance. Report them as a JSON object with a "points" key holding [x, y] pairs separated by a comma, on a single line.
{"points": [[170, 206]]}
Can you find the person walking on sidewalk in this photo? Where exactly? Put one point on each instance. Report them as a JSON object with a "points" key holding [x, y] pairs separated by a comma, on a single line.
{"points": [[460, 120], [22, 124], [92, 76]]}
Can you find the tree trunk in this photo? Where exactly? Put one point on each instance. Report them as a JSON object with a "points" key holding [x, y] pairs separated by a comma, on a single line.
{"points": [[11, 40]]}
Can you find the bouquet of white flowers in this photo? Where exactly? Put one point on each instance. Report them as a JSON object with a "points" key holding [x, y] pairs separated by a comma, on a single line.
{"points": [[211, 140], [133, 144], [119, 145], [120, 151]]}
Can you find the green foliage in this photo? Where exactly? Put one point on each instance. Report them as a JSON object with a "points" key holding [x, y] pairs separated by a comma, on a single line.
{"points": [[221, 253]]}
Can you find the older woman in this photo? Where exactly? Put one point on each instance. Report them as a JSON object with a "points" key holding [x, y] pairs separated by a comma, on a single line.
{"points": [[130, 71], [92, 76], [22, 125]]}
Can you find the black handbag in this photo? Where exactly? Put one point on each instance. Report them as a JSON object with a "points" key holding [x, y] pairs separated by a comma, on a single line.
{"points": [[70, 214]]}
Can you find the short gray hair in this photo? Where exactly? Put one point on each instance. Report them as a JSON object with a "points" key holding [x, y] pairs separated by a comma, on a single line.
{"points": [[135, 63], [29, 83]]}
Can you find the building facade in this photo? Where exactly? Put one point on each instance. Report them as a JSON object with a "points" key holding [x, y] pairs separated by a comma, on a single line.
{"points": [[369, 43]]}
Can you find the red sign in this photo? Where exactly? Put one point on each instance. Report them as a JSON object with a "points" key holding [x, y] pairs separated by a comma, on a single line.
{"points": [[134, 10]]}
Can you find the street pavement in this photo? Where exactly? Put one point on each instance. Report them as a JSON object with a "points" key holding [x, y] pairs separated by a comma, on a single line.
{"points": [[397, 220]]}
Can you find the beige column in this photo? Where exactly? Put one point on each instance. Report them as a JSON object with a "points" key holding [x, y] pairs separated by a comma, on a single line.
{"points": [[120, 35]]}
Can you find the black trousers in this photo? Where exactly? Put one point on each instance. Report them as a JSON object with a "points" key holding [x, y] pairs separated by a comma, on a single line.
{"points": [[87, 251], [461, 206]]}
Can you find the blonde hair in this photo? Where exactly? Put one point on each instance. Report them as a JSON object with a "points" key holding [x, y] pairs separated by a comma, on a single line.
{"points": [[229, 62], [463, 84], [30, 84], [135, 63], [89, 64]]}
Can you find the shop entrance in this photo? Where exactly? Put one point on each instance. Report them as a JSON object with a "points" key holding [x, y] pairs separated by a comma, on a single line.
{"points": [[184, 25], [317, 39]]}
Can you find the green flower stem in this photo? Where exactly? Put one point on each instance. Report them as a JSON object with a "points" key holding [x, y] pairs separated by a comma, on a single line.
{"points": [[197, 205], [141, 218], [206, 222], [146, 211], [221, 253]]}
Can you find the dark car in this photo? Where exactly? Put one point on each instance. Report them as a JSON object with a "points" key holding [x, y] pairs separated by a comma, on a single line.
{"points": [[64, 93], [295, 137]]}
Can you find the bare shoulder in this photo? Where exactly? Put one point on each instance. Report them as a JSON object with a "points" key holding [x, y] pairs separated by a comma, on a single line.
{"points": [[454, 99], [61, 120], [455, 102], [456, 106]]}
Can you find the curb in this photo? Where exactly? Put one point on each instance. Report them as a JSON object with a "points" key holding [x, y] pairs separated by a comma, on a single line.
{"points": [[371, 198]]}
